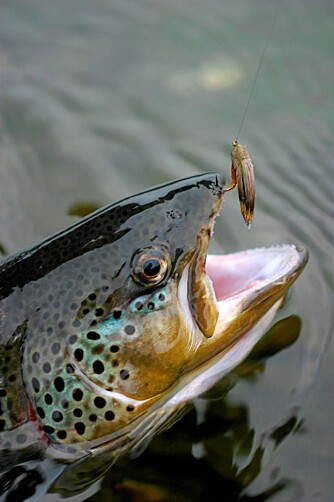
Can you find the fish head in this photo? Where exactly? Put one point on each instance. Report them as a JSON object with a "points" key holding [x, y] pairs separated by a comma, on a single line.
{"points": [[122, 311]]}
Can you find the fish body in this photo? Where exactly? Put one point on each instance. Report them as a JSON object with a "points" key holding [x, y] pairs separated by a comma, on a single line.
{"points": [[108, 328]]}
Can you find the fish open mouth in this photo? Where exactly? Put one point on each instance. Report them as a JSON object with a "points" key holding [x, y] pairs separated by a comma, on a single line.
{"points": [[247, 289], [243, 280], [239, 289]]}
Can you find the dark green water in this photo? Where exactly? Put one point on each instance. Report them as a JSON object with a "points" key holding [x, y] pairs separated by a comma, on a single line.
{"points": [[100, 99]]}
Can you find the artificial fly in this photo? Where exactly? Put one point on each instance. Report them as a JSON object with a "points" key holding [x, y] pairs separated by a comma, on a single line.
{"points": [[242, 168]]}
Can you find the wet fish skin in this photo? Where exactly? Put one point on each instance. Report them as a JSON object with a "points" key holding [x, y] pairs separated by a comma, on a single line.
{"points": [[114, 324], [70, 307]]}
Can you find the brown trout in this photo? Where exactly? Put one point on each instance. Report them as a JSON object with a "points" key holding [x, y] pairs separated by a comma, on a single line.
{"points": [[109, 327]]}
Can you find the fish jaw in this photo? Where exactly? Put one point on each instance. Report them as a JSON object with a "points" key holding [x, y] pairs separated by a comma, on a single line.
{"points": [[246, 286], [249, 287]]}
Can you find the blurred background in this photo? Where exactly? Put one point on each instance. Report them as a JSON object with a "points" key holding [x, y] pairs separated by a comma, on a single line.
{"points": [[101, 99]]}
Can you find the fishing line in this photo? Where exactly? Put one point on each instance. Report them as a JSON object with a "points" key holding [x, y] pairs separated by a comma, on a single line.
{"points": [[269, 36]]}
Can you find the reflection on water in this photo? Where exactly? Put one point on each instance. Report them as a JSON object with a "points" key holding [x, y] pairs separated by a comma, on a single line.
{"points": [[100, 100]]}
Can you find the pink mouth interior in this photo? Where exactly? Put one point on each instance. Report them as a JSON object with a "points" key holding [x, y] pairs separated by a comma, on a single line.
{"points": [[236, 274]]}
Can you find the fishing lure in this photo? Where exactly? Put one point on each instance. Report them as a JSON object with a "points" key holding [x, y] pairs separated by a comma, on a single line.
{"points": [[242, 169], [242, 174]]}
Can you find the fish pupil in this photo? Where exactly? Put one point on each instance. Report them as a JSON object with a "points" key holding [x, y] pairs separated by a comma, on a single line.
{"points": [[151, 267]]}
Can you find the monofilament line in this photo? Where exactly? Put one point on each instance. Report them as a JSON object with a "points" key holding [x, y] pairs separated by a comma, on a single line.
{"points": [[270, 33]]}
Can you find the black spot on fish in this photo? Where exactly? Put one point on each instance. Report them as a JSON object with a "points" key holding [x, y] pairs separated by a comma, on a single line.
{"points": [[3, 393], [80, 428], [77, 394], [48, 429], [99, 402], [41, 412], [98, 367], [92, 297], [62, 434], [162, 297], [109, 415], [48, 399], [72, 339], [57, 416], [77, 412], [114, 348], [46, 367], [12, 378], [69, 368], [59, 384], [117, 314], [92, 335], [35, 384], [130, 407], [35, 357], [92, 417], [99, 312], [55, 348], [78, 354]]}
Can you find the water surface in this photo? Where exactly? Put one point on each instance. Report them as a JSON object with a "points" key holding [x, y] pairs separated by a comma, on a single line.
{"points": [[102, 99]]}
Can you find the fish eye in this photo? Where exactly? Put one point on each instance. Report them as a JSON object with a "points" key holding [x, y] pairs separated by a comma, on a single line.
{"points": [[149, 266]]}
